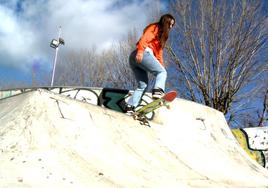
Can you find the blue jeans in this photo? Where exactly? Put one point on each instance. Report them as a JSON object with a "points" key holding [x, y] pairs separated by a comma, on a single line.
{"points": [[149, 64]]}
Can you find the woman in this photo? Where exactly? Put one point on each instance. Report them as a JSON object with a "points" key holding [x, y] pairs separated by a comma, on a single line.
{"points": [[148, 57]]}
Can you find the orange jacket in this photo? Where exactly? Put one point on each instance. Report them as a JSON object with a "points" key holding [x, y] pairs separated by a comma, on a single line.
{"points": [[150, 39]]}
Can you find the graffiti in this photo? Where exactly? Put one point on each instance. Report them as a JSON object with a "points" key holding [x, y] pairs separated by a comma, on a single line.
{"points": [[111, 98], [5, 94], [245, 140], [258, 137], [82, 94], [105, 97]]}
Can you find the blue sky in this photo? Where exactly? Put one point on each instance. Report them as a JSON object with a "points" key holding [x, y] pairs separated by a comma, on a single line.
{"points": [[27, 27]]}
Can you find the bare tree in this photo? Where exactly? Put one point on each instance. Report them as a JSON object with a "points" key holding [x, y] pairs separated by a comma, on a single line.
{"points": [[154, 12], [108, 68], [251, 116], [40, 76], [6, 84], [219, 50], [120, 74], [263, 115], [83, 68]]}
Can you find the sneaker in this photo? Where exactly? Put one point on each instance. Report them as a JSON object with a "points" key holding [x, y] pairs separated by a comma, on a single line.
{"points": [[158, 93], [126, 108], [129, 110]]}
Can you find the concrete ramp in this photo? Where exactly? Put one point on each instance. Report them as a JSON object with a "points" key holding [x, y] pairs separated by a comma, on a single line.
{"points": [[49, 140]]}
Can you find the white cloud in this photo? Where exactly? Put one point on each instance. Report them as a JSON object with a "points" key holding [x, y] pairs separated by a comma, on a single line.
{"points": [[86, 23], [15, 38], [26, 30]]}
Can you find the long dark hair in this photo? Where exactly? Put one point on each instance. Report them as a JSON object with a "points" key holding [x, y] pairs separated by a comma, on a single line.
{"points": [[164, 28]]}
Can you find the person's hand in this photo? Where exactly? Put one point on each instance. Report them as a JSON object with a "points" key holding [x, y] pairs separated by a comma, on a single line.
{"points": [[139, 57]]}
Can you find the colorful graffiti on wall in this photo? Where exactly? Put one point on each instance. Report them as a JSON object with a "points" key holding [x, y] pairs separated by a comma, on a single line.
{"points": [[105, 97], [255, 142]]}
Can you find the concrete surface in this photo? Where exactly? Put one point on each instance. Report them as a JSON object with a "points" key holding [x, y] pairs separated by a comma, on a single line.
{"points": [[49, 140]]}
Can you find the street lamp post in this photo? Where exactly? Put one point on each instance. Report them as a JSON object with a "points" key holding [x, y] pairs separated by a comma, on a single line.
{"points": [[55, 44]]}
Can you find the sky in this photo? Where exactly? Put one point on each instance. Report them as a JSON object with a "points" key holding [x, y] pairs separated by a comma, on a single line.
{"points": [[28, 26]]}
